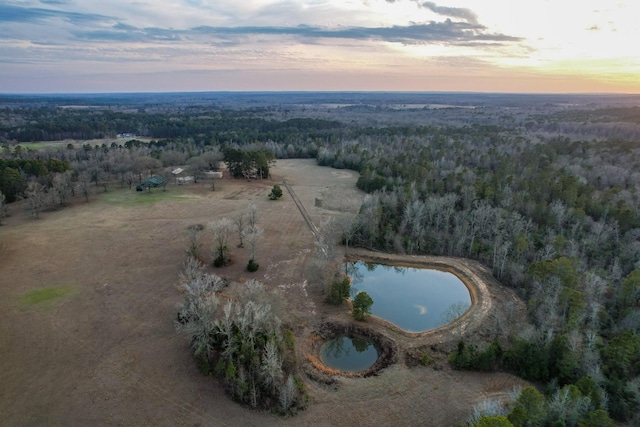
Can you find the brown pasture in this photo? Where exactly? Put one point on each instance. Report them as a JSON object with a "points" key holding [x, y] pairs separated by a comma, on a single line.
{"points": [[105, 351]]}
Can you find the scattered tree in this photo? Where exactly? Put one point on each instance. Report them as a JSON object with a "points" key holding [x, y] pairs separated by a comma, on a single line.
{"points": [[194, 235], [240, 223], [35, 198], [220, 230], [83, 180], [348, 226], [253, 236], [62, 186], [192, 270], [252, 216], [362, 306]]}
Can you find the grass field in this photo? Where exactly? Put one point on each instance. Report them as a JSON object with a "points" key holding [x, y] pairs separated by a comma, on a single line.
{"points": [[41, 145], [131, 197]]}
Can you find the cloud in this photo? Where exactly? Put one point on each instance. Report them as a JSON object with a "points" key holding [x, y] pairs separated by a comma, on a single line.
{"points": [[452, 12], [126, 33], [442, 32], [17, 14], [31, 22], [447, 32], [421, 308]]}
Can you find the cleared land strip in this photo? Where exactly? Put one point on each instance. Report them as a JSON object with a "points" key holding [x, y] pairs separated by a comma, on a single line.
{"points": [[302, 210]]}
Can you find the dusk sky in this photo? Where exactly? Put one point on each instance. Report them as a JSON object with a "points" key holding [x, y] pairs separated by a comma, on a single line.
{"points": [[60, 46]]}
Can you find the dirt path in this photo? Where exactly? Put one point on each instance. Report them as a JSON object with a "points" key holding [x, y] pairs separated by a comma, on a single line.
{"points": [[302, 210], [106, 352]]}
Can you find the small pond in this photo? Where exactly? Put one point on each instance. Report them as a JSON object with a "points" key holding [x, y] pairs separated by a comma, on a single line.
{"points": [[349, 354], [413, 299]]}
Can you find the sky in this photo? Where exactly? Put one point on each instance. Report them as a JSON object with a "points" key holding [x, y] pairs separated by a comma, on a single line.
{"points": [[523, 46]]}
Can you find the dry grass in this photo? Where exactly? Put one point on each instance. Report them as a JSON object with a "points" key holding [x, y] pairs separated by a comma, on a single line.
{"points": [[107, 353], [327, 370]]}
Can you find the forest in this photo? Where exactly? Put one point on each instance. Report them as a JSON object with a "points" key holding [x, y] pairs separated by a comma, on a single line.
{"points": [[542, 189]]}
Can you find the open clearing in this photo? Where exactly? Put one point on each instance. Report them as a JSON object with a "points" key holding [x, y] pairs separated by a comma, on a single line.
{"points": [[87, 304]]}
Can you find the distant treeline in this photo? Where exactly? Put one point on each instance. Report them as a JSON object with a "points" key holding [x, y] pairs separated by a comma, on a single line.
{"points": [[55, 124]]}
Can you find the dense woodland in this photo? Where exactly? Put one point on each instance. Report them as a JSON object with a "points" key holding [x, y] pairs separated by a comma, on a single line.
{"points": [[545, 190]]}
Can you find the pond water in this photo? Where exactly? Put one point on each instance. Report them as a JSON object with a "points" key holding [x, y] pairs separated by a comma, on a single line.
{"points": [[349, 354], [413, 299]]}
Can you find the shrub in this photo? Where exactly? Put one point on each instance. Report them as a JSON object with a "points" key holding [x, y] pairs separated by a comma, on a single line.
{"points": [[219, 261], [252, 266], [204, 365], [425, 359], [339, 291], [289, 339], [276, 192], [464, 357]]}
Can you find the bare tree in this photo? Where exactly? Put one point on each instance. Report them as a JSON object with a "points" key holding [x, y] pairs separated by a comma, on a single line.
{"points": [[84, 179], [212, 159], [240, 223], [35, 197], [98, 175], [287, 394], [192, 269], [327, 238], [323, 268], [546, 313], [145, 164], [487, 407], [348, 226], [221, 230], [454, 312], [197, 166], [173, 158], [567, 407], [62, 186], [271, 366], [197, 314], [252, 215], [559, 211], [253, 236], [194, 234]]}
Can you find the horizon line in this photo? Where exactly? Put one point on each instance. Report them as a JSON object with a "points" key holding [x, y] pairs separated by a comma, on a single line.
{"points": [[3, 94]]}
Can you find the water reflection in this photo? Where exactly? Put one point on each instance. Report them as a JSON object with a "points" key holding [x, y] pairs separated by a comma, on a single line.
{"points": [[349, 354], [360, 344], [414, 299]]}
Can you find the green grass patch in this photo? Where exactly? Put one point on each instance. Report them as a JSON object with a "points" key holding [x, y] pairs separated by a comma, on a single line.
{"points": [[45, 296], [132, 197], [35, 146], [41, 145]]}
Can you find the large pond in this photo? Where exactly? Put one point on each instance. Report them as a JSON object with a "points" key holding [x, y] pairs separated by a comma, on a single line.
{"points": [[413, 299], [349, 354]]}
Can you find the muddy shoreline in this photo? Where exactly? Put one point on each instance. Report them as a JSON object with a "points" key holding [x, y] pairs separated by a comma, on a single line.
{"points": [[396, 345]]}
